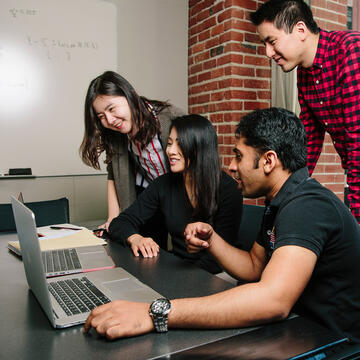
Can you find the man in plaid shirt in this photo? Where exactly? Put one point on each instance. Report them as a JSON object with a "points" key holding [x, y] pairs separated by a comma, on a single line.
{"points": [[328, 80]]}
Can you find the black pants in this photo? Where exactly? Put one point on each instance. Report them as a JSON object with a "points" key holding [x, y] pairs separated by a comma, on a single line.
{"points": [[155, 227]]}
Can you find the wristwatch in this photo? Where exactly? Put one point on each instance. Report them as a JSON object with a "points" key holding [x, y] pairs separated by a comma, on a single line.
{"points": [[159, 310]]}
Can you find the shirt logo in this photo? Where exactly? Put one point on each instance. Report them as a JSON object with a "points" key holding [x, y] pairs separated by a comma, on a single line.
{"points": [[271, 234]]}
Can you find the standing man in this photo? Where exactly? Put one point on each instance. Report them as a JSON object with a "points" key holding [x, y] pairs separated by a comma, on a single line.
{"points": [[328, 81], [306, 257]]}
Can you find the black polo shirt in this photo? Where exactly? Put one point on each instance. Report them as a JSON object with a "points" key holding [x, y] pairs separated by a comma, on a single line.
{"points": [[305, 213]]}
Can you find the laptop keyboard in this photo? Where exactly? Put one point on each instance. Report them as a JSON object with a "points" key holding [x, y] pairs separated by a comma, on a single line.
{"points": [[77, 296], [60, 260]]}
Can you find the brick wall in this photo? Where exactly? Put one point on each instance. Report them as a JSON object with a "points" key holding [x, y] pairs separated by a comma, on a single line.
{"points": [[229, 74]]}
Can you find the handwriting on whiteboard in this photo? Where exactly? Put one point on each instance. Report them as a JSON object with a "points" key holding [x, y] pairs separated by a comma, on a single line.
{"points": [[22, 12]]}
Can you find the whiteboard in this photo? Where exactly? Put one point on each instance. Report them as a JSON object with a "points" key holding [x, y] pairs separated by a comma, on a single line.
{"points": [[50, 50]]}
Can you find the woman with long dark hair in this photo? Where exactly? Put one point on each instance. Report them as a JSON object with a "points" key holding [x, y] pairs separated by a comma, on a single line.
{"points": [[132, 130], [195, 189]]}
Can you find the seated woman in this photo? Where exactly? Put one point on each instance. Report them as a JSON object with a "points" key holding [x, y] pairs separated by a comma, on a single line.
{"points": [[195, 190]]}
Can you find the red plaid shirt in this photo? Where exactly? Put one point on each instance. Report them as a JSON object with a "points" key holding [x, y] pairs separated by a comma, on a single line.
{"points": [[329, 95]]}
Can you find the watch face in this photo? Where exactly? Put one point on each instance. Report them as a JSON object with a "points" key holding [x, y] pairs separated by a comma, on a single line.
{"points": [[160, 306]]}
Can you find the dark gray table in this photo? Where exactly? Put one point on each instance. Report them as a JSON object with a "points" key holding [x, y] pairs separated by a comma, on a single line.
{"points": [[27, 334]]}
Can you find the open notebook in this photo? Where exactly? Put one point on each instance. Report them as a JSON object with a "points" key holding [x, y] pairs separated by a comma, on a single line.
{"points": [[51, 239]]}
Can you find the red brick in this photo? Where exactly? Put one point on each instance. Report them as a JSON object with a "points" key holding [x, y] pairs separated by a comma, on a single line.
{"points": [[318, 3], [225, 15], [212, 43], [196, 8], [192, 80], [210, 86], [264, 95], [196, 68], [243, 25], [204, 35], [256, 84], [233, 116], [224, 129], [197, 48], [252, 38], [243, 94], [240, 70], [205, 76], [239, 47], [324, 14], [244, 4], [208, 23], [203, 56], [216, 30], [256, 61], [253, 105], [266, 73], [338, 8], [209, 64], [202, 15], [217, 73], [193, 40], [217, 118], [216, 8], [333, 168]]}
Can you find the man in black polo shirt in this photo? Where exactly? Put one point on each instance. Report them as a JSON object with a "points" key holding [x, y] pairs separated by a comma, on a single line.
{"points": [[306, 258]]}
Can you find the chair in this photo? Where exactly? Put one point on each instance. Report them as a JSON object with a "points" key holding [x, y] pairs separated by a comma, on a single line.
{"points": [[250, 225], [46, 213]]}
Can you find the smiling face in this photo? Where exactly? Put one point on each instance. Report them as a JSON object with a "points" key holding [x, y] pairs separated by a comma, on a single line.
{"points": [[174, 153], [247, 170], [114, 113], [286, 49]]}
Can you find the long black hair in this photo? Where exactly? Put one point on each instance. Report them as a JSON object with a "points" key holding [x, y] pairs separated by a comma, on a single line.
{"points": [[198, 142], [98, 138]]}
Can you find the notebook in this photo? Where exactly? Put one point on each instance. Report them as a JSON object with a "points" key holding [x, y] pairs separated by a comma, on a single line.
{"points": [[87, 289], [70, 254]]}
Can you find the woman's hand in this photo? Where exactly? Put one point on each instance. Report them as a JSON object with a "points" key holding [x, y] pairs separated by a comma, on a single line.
{"points": [[147, 246], [103, 226]]}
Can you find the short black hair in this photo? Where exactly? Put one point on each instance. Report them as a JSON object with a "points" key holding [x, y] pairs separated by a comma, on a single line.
{"points": [[285, 14], [279, 130]]}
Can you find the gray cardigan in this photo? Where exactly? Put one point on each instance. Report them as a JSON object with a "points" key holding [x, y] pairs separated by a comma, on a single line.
{"points": [[121, 169]]}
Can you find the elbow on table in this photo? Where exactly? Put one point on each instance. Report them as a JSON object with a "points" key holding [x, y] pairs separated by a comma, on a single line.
{"points": [[279, 312]]}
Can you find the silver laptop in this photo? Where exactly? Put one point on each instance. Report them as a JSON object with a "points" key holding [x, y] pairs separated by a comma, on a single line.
{"points": [[75, 260], [68, 300]]}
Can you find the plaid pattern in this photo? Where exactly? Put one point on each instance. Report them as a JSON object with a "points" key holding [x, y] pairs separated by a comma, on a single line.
{"points": [[329, 96]]}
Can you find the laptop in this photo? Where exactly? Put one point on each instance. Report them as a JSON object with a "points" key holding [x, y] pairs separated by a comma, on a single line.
{"points": [[73, 260], [68, 300]]}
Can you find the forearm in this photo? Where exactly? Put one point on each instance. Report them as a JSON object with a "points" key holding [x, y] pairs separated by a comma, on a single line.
{"points": [[112, 200], [245, 305], [238, 263]]}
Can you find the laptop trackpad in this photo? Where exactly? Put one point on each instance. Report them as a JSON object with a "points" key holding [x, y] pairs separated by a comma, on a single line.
{"points": [[130, 289]]}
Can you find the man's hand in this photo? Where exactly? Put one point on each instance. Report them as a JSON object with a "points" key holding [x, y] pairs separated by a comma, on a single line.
{"points": [[120, 319], [198, 236], [147, 246]]}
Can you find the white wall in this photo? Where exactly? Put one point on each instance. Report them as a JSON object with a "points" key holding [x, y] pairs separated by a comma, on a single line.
{"points": [[152, 55]]}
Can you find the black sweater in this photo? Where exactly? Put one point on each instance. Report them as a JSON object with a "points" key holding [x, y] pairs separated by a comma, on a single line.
{"points": [[167, 193]]}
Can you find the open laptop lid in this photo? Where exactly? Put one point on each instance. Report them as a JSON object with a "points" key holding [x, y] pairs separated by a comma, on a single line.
{"points": [[20, 197], [31, 255]]}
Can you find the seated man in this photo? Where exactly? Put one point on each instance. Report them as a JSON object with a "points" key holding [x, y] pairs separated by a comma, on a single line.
{"points": [[306, 258]]}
